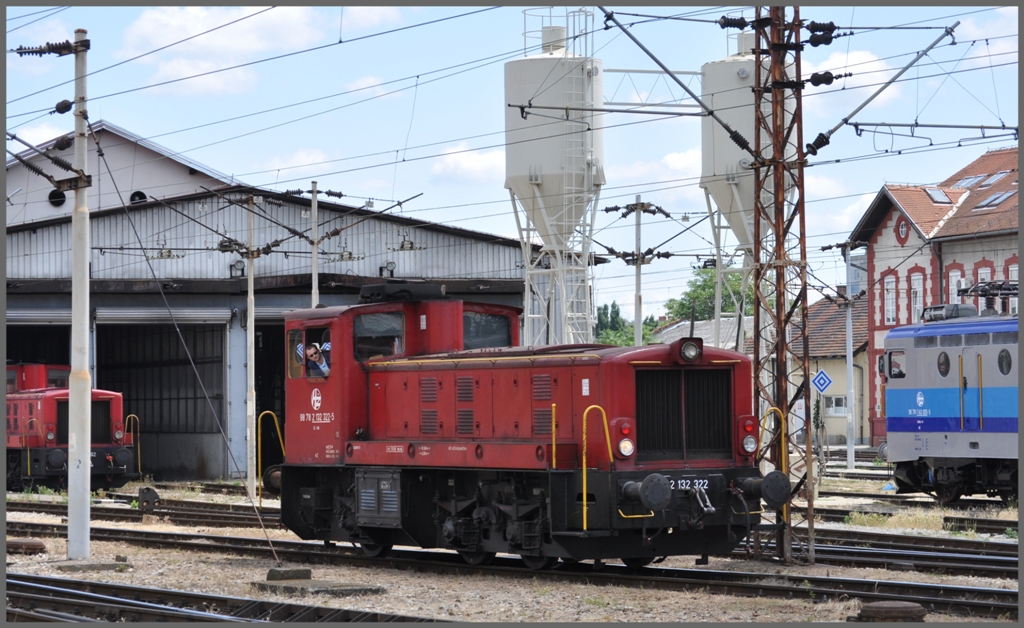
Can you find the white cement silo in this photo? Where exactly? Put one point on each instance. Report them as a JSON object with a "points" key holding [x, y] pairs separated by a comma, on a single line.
{"points": [[554, 170]]}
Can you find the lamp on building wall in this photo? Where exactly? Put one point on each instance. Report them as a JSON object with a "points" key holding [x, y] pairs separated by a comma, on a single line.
{"points": [[237, 268], [387, 270]]}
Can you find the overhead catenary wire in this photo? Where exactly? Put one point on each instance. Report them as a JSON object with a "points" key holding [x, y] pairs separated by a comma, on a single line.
{"points": [[274, 58], [45, 17], [188, 353]]}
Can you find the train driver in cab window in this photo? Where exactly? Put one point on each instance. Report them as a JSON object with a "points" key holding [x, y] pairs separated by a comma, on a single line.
{"points": [[317, 364], [896, 365]]}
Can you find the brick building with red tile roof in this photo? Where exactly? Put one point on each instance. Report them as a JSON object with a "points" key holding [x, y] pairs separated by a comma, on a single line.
{"points": [[924, 240]]}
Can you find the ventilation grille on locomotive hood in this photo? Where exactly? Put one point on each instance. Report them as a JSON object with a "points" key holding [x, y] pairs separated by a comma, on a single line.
{"points": [[683, 414], [100, 430]]}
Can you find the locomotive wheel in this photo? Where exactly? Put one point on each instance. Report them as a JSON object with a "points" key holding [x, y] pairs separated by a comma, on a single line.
{"points": [[374, 550], [538, 563], [637, 562], [477, 558], [947, 494]]}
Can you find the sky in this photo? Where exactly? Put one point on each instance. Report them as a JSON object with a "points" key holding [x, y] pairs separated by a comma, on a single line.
{"points": [[386, 103]]}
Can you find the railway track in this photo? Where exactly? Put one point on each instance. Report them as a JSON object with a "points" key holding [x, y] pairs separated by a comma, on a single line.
{"points": [[952, 523], [977, 601], [46, 598], [919, 499], [178, 513]]}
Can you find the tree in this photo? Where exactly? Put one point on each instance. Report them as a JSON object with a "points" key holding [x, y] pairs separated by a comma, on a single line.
{"points": [[700, 295], [612, 329]]}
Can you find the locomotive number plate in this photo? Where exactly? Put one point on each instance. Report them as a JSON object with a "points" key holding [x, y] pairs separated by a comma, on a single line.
{"points": [[689, 483]]}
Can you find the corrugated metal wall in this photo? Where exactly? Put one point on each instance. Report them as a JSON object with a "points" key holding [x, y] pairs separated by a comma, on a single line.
{"points": [[183, 244], [149, 364]]}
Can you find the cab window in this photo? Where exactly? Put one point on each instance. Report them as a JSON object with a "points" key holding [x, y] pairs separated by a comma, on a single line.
{"points": [[381, 333], [57, 378], [481, 330], [309, 352], [897, 364], [12, 381]]}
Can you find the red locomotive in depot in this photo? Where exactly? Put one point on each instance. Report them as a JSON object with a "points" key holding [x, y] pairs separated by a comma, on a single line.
{"points": [[413, 419], [37, 431]]}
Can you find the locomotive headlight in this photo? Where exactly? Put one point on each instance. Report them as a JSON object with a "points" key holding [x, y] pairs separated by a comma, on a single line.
{"points": [[689, 351], [749, 444], [118, 435], [50, 436], [626, 447]]}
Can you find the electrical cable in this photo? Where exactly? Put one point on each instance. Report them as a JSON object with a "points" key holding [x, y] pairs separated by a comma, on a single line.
{"points": [[274, 58], [38, 19], [188, 353], [143, 54]]}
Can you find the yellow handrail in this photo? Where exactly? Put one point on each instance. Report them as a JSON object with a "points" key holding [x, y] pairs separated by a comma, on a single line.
{"points": [[136, 429], [611, 459], [24, 438], [554, 460], [259, 449]]}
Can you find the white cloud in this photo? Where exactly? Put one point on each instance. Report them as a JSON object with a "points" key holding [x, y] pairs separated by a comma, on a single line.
{"points": [[279, 29], [681, 168], [36, 135], [296, 164], [486, 167], [821, 220], [232, 81], [838, 99], [358, 18], [987, 29], [820, 186]]}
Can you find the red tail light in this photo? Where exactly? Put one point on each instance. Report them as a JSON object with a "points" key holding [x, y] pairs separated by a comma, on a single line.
{"points": [[625, 429]]}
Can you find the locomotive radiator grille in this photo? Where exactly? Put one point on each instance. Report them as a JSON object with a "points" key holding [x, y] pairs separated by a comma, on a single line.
{"points": [[428, 390], [708, 404], [542, 421], [542, 388], [428, 422], [683, 414], [99, 431], [659, 414], [464, 422], [464, 389], [389, 501]]}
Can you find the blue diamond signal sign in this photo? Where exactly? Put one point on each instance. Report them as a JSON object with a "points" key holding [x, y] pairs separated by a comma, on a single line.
{"points": [[821, 381]]}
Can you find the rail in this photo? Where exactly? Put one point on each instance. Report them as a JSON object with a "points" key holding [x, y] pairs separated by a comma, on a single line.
{"points": [[135, 427], [611, 458], [259, 448]]}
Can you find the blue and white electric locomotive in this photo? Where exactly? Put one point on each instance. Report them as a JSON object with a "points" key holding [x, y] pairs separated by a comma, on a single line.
{"points": [[951, 400]]}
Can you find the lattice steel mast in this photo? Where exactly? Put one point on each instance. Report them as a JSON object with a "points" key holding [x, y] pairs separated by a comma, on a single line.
{"points": [[780, 267]]}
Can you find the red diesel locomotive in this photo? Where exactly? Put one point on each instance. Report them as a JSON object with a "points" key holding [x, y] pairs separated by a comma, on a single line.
{"points": [[37, 431], [430, 428]]}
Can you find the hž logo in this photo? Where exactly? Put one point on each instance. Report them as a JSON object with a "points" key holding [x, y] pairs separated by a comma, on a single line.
{"points": [[920, 399], [315, 399]]}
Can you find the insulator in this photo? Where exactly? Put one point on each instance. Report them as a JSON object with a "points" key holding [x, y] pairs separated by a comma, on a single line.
{"points": [[819, 142], [32, 167], [63, 106], [293, 192], [62, 48], [63, 164], [822, 78], [733, 22], [22, 51], [820, 39], [739, 140], [333, 193], [822, 27]]}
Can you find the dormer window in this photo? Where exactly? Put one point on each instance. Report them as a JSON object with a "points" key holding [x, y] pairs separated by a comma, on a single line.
{"points": [[995, 200], [967, 182], [938, 196], [997, 176]]}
